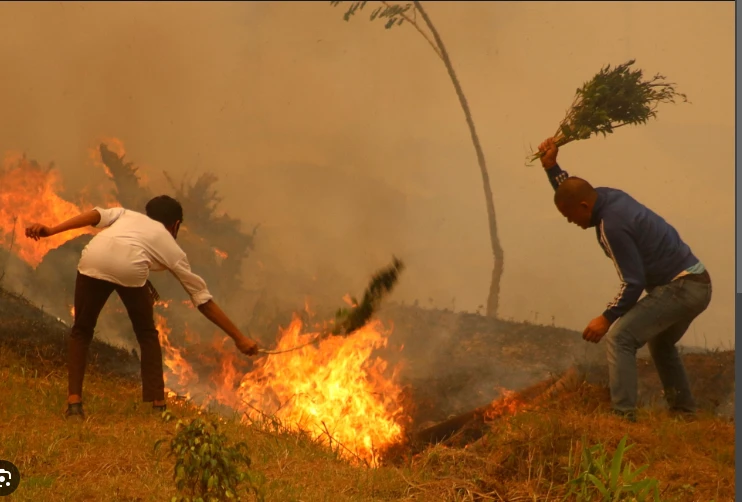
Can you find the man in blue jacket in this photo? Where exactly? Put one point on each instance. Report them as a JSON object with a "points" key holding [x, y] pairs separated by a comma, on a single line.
{"points": [[650, 256]]}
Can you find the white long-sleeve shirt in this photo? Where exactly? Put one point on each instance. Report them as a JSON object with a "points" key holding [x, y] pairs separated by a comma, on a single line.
{"points": [[131, 245]]}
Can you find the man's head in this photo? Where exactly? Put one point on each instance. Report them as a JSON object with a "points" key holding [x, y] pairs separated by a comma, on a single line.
{"points": [[167, 211], [575, 199]]}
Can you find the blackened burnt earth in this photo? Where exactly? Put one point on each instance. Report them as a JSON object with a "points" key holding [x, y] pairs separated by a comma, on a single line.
{"points": [[456, 362]]}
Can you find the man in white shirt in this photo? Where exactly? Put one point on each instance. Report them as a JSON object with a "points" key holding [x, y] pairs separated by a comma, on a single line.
{"points": [[119, 259]]}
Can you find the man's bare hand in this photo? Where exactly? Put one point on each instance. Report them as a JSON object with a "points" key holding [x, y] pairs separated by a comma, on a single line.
{"points": [[550, 151], [596, 330], [247, 346], [38, 231]]}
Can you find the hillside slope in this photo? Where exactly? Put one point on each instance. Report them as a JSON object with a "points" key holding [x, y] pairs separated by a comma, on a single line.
{"points": [[110, 456]]}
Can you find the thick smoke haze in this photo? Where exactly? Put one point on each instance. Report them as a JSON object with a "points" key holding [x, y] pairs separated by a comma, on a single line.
{"points": [[347, 144]]}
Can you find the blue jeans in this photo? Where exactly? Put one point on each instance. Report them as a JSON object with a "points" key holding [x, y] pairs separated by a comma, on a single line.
{"points": [[660, 319]]}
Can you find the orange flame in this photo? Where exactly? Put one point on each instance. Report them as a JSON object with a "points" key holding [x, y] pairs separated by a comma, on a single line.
{"points": [[116, 146], [173, 358], [163, 303], [334, 391], [226, 378], [307, 308], [28, 195], [113, 144], [509, 403]]}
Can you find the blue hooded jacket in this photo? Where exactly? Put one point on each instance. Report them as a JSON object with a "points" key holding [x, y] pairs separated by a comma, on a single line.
{"points": [[646, 250]]}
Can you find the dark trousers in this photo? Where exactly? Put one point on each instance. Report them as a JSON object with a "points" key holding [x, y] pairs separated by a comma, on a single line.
{"points": [[90, 297]]}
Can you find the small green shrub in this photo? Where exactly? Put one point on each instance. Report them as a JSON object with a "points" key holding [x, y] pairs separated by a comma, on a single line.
{"points": [[206, 468], [598, 477]]}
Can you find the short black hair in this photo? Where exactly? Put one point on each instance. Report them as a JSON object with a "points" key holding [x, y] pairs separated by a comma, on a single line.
{"points": [[164, 209]]}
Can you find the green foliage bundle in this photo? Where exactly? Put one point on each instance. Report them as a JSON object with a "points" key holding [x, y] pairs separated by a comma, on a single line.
{"points": [[348, 320], [382, 283], [613, 98]]}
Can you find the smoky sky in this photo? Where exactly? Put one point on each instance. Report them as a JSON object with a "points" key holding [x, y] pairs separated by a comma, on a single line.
{"points": [[346, 141]]}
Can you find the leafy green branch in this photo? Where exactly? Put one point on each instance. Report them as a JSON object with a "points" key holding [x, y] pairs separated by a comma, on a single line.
{"points": [[613, 98]]}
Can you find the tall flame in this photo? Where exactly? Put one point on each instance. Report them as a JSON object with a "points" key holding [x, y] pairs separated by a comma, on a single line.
{"points": [[334, 391], [173, 357], [29, 194]]}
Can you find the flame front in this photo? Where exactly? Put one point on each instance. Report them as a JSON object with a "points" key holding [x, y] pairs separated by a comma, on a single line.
{"points": [[334, 391], [28, 195], [173, 357]]}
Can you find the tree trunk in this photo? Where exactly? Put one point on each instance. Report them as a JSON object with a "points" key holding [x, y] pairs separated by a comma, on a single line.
{"points": [[493, 299]]}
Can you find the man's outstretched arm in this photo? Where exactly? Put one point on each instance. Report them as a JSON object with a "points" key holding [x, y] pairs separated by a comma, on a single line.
{"points": [[96, 217], [196, 288], [213, 313], [86, 219]]}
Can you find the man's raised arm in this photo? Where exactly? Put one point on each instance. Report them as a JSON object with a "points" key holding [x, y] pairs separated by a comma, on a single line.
{"points": [[549, 161]]}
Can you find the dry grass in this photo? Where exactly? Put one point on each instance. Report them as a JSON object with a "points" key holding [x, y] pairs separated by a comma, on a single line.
{"points": [[110, 456], [524, 457]]}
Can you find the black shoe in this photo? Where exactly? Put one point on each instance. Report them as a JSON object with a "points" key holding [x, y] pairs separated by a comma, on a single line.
{"points": [[74, 410], [626, 415]]}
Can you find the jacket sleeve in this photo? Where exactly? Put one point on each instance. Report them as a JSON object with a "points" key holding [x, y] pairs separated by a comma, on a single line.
{"points": [[622, 249], [556, 176]]}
